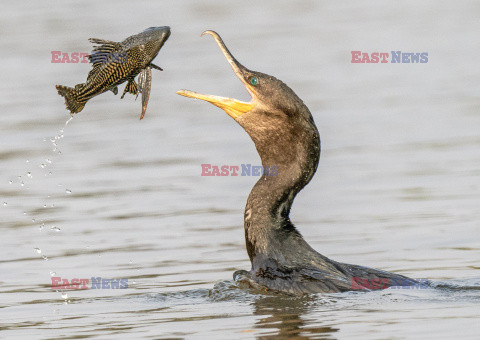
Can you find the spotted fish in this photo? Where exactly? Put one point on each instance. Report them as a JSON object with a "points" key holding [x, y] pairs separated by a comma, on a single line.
{"points": [[116, 62]]}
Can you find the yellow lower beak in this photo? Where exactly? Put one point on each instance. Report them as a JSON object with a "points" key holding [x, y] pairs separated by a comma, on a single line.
{"points": [[234, 108]]}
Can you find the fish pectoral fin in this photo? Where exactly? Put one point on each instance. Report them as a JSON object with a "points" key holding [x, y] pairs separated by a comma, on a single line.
{"points": [[144, 85], [156, 67], [114, 90], [131, 87]]}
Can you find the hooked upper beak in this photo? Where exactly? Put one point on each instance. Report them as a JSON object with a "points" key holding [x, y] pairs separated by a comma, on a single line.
{"points": [[233, 107]]}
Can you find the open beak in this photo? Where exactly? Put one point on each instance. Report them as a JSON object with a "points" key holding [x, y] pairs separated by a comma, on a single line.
{"points": [[233, 107]]}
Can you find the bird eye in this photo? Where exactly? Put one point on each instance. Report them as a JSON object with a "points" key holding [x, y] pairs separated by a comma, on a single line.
{"points": [[254, 81]]}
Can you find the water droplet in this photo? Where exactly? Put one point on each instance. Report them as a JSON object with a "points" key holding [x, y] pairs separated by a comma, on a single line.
{"points": [[22, 184], [27, 161], [42, 166], [44, 257], [53, 273], [5, 204], [41, 226], [33, 220], [57, 229], [48, 161], [10, 182], [38, 250], [68, 191], [44, 205], [64, 295]]}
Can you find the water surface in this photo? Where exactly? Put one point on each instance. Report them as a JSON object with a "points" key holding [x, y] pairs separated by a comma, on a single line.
{"points": [[111, 196]]}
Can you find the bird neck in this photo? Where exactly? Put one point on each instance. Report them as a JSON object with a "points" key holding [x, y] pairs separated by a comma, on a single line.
{"points": [[267, 211]]}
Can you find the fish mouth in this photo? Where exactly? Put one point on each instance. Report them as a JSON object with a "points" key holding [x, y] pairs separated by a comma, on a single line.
{"points": [[233, 107]]}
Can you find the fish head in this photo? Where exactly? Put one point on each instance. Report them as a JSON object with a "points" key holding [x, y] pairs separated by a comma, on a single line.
{"points": [[150, 41], [153, 39]]}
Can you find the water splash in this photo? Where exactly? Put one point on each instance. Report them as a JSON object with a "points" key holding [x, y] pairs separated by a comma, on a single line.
{"points": [[22, 181]]}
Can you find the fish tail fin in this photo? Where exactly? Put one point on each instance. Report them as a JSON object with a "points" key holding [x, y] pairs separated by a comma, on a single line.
{"points": [[70, 95]]}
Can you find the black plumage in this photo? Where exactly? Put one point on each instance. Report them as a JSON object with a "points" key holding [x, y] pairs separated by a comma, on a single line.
{"points": [[285, 136]]}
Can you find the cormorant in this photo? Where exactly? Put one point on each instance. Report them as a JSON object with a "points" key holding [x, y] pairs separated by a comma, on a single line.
{"points": [[285, 136]]}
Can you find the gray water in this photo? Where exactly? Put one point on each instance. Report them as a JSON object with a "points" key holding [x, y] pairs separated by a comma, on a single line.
{"points": [[110, 196]]}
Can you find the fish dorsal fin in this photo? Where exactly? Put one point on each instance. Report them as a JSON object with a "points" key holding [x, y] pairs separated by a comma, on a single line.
{"points": [[105, 51], [105, 46]]}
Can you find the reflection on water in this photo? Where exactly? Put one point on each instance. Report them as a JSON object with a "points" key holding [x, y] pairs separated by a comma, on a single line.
{"points": [[285, 317], [104, 195]]}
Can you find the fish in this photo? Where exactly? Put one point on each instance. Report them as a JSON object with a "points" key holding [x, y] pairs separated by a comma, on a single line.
{"points": [[114, 63]]}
